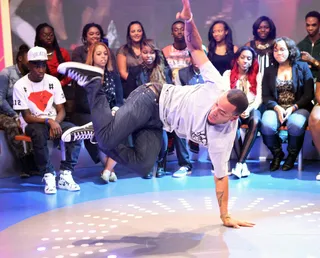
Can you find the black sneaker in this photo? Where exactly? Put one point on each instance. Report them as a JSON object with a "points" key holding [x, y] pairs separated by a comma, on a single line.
{"points": [[81, 73], [85, 132]]}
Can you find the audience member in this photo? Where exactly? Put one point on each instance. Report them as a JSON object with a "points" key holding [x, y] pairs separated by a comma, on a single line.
{"points": [[264, 32], [9, 119], [129, 55], [40, 98], [310, 45], [99, 55], [245, 76], [221, 48], [314, 120], [287, 92]]}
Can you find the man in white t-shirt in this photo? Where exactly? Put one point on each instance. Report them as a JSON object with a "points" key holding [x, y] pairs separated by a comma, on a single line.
{"points": [[40, 99], [204, 113]]}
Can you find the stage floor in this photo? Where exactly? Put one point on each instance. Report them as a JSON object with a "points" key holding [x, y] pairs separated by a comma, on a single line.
{"points": [[166, 217]]}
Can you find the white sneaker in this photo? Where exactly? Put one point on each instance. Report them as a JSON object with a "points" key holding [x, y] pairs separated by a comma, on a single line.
{"points": [[318, 177], [245, 171], [182, 172], [105, 175], [50, 187], [76, 133], [66, 181], [113, 177], [237, 170]]}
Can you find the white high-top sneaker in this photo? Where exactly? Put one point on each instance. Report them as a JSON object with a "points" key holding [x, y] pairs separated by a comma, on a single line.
{"points": [[50, 187], [245, 170], [237, 170], [66, 181]]}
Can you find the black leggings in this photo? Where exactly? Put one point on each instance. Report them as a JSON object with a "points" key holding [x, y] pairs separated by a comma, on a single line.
{"points": [[242, 149]]}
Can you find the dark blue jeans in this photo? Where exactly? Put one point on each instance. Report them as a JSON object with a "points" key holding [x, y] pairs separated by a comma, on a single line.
{"points": [[39, 134], [138, 116]]}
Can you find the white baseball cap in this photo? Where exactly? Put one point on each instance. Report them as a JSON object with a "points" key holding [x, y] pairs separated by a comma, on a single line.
{"points": [[37, 54]]}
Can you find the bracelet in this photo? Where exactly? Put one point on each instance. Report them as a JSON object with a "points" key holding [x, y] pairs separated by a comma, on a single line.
{"points": [[188, 21], [295, 107], [46, 121]]}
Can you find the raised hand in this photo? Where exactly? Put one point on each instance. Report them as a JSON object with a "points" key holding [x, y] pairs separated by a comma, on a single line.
{"points": [[185, 14]]}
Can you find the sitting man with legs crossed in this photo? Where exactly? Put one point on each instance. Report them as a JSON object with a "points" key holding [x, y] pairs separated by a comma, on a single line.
{"points": [[204, 113]]}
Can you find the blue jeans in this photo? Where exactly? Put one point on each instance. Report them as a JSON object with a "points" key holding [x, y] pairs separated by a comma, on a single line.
{"points": [[39, 134], [139, 117], [296, 124]]}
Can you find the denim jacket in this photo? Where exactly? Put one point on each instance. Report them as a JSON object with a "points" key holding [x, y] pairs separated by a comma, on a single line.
{"points": [[8, 77]]}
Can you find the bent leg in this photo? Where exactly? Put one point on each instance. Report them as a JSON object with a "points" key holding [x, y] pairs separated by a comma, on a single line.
{"points": [[39, 134], [139, 111], [143, 155], [253, 124], [314, 125]]}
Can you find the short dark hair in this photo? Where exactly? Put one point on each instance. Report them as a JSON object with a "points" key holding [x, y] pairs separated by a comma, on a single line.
{"points": [[176, 22], [238, 99], [294, 52], [314, 14], [23, 49], [255, 27], [87, 27]]}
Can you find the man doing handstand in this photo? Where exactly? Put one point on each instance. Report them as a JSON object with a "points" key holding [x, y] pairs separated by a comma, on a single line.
{"points": [[206, 114]]}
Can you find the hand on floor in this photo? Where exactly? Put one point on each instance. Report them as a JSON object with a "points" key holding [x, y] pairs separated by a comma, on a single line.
{"points": [[232, 223]]}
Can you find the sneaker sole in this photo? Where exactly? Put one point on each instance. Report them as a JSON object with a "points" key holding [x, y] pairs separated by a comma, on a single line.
{"points": [[65, 188], [62, 68], [65, 135]]}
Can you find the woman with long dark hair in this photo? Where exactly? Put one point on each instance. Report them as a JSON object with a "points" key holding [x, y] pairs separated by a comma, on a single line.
{"points": [[245, 76], [221, 48], [129, 54], [46, 38]]}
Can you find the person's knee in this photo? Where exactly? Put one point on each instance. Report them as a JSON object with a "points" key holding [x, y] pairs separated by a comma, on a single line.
{"points": [[37, 132], [314, 119], [269, 123]]}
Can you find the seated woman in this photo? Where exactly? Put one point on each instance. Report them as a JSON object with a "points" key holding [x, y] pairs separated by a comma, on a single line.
{"points": [[314, 120], [129, 55], [45, 37], [91, 33], [287, 92], [245, 76], [264, 32], [99, 56], [152, 69], [221, 48]]}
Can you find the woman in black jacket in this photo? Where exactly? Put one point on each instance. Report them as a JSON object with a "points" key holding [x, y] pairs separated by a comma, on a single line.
{"points": [[287, 92]]}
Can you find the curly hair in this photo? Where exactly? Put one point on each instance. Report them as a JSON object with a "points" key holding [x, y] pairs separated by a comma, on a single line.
{"points": [[157, 74], [294, 52], [252, 72], [87, 27], [273, 30]]}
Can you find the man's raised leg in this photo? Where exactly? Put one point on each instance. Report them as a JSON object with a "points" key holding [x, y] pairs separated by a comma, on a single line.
{"points": [[139, 109]]}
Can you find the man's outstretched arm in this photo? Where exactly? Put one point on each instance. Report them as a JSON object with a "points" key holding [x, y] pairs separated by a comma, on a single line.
{"points": [[191, 34]]}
